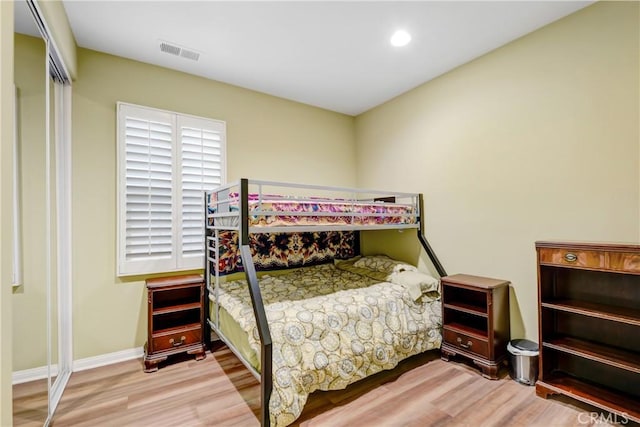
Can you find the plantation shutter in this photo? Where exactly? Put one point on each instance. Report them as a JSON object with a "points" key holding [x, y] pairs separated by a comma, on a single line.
{"points": [[166, 161], [146, 196], [201, 168]]}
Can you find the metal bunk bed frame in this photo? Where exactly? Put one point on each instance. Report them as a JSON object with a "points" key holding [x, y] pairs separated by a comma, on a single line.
{"points": [[211, 242]]}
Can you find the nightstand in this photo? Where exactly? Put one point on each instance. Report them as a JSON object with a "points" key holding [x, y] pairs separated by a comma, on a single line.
{"points": [[175, 319], [475, 313]]}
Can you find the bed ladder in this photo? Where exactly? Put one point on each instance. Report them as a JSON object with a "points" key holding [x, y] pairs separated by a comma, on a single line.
{"points": [[266, 377]]}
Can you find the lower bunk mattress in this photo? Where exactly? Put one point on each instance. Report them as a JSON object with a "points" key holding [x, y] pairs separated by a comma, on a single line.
{"points": [[331, 325]]}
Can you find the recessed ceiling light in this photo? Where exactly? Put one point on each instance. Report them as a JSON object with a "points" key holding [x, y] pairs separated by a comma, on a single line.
{"points": [[400, 38]]}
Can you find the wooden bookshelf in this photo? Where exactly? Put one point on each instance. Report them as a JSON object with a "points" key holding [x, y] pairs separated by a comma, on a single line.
{"points": [[589, 323]]}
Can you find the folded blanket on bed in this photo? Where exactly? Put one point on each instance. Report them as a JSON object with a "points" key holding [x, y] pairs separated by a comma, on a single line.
{"points": [[331, 327], [418, 284]]}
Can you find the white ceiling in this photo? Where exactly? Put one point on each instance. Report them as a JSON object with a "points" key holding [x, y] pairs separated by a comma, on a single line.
{"points": [[332, 54]]}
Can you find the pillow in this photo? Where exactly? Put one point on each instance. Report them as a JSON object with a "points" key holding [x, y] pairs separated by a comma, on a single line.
{"points": [[417, 283], [349, 265], [383, 264], [337, 261]]}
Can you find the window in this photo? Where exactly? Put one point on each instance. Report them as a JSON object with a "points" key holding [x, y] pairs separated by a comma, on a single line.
{"points": [[165, 162]]}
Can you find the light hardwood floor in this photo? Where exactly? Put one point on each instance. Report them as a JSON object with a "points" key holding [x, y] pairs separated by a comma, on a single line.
{"points": [[219, 391]]}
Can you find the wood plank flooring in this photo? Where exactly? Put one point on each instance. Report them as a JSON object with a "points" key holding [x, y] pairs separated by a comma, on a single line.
{"points": [[219, 391]]}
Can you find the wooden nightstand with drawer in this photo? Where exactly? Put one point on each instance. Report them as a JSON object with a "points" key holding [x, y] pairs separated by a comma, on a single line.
{"points": [[175, 319], [475, 312]]}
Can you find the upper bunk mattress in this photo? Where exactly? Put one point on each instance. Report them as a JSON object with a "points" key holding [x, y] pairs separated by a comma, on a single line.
{"points": [[277, 211]]}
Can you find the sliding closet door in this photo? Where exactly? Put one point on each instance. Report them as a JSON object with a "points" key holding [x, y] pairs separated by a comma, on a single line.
{"points": [[59, 206], [51, 256], [30, 306]]}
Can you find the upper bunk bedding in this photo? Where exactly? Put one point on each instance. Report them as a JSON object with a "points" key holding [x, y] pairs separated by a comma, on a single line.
{"points": [[332, 325], [340, 208]]}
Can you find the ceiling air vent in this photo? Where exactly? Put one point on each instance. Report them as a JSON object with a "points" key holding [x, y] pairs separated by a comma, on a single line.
{"points": [[190, 54], [169, 48], [174, 49]]}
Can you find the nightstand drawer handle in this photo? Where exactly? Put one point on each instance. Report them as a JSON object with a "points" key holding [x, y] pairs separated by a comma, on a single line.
{"points": [[467, 345], [177, 344], [570, 257]]}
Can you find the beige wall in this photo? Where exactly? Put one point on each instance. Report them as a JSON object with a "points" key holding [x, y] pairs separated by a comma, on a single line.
{"points": [[536, 140], [6, 203], [267, 138]]}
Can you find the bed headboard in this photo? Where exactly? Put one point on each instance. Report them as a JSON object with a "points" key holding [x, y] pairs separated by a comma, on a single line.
{"points": [[276, 251]]}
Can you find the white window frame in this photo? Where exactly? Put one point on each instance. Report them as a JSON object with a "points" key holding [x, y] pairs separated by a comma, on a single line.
{"points": [[177, 261]]}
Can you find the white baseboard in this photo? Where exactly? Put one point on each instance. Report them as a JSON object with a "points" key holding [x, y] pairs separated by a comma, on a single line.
{"points": [[107, 359], [40, 372], [33, 374]]}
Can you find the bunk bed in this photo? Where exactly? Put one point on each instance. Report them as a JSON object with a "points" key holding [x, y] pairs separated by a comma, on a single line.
{"points": [[271, 323]]}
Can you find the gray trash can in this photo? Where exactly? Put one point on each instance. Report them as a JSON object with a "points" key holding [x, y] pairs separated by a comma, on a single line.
{"points": [[524, 361]]}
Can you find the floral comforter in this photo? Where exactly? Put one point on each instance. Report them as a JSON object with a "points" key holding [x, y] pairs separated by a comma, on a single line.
{"points": [[331, 327], [266, 212]]}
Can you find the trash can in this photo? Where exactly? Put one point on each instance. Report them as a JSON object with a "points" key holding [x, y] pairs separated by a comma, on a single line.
{"points": [[524, 361]]}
